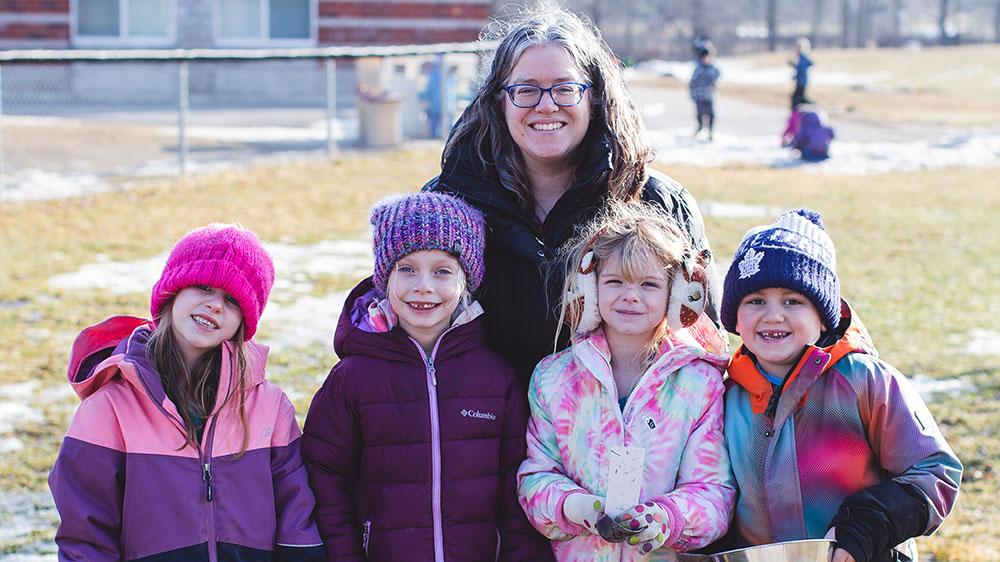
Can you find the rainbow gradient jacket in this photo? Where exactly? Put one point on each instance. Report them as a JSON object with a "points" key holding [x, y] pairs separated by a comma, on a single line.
{"points": [[127, 488], [846, 422], [674, 413]]}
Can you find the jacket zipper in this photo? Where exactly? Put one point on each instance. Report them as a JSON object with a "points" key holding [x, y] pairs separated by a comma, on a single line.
{"points": [[366, 535], [206, 468], [435, 446]]}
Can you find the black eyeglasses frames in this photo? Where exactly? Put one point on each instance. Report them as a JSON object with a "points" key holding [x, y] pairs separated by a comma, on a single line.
{"points": [[564, 94]]}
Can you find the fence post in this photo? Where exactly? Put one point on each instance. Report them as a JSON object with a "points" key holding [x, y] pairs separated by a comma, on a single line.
{"points": [[3, 169], [182, 115], [331, 106]]}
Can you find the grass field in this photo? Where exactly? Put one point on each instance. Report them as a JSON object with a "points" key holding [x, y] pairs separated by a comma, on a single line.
{"points": [[917, 258], [957, 86]]}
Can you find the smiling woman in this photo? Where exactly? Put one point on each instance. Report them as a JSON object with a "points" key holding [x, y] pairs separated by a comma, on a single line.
{"points": [[549, 138]]}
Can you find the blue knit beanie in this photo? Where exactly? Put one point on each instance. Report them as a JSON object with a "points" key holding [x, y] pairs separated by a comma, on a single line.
{"points": [[793, 253]]}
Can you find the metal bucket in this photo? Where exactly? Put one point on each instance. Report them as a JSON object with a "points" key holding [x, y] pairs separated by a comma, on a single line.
{"points": [[812, 550]]}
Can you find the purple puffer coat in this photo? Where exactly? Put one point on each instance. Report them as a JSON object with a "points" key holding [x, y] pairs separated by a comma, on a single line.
{"points": [[414, 457]]}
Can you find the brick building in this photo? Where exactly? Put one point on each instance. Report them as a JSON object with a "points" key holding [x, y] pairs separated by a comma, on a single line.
{"points": [[69, 24]]}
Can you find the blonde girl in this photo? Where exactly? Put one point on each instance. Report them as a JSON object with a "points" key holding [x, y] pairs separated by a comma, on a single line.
{"points": [[635, 376]]}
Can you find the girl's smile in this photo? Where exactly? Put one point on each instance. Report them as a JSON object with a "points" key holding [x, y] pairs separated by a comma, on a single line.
{"points": [[203, 317], [631, 307], [424, 290]]}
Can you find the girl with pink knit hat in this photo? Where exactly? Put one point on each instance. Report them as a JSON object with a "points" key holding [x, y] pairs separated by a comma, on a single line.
{"points": [[180, 449]]}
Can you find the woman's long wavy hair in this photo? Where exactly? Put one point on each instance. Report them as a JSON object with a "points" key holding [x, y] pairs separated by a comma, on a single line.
{"points": [[612, 111], [639, 233], [195, 391]]}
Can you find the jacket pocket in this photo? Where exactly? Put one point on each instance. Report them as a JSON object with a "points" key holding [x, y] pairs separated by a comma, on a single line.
{"points": [[366, 535]]}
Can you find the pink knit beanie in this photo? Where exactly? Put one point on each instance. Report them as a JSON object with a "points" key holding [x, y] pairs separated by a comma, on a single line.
{"points": [[223, 256]]}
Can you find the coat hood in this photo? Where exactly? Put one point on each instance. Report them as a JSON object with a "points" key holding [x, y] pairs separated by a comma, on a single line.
{"points": [[851, 336], [118, 346], [354, 337]]}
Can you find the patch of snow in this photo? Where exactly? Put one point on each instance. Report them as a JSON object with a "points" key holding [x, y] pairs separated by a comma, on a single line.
{"points": [[14, 408], [24, 513], [740, 72], [352, 257], [35, 185], [928, 387], [983, 342], [971, 148], [304, 322], [738, 210]]}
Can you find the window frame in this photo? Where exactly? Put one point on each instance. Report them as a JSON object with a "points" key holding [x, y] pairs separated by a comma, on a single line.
{"points": [[123, 39], [264, 39]]}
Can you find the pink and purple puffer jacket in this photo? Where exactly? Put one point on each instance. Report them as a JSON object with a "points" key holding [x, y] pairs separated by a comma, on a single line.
{"points": [[674, 413], [128, 488]]}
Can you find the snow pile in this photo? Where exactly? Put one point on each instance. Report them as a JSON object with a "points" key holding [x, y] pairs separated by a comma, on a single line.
{"points": [[293, 317], [972, 148]]}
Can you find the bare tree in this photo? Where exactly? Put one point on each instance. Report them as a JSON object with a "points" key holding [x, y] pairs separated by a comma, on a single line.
{"points": [[996, 24], [771, 14], [896, 34], [698, 18], [943, 9], [816, 22], [845, 24]]}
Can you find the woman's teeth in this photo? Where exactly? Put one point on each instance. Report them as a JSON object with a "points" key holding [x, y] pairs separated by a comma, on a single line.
{"points": [[547, 126]]}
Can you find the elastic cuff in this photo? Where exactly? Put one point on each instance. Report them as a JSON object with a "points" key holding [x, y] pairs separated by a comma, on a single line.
{"points": [[564, 524], [676, 524]]}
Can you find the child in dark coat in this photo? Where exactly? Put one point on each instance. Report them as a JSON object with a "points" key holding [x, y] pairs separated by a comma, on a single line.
{"points": [[413, 442], [702, 88]]}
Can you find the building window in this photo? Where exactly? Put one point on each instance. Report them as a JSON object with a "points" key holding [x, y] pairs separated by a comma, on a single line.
{"points": [[129, 21], [264, 20]]}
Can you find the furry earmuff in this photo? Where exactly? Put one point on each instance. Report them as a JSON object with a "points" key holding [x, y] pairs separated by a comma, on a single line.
{"points": [[687, 299]]}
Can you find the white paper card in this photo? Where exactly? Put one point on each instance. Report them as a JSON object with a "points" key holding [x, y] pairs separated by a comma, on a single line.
{"points": [[624, 479]]}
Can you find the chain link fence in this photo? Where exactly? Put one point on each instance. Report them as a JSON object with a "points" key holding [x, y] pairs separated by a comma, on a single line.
{"points": [[78, 121]]}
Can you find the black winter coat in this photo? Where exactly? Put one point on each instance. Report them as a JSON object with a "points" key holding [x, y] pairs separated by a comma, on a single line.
{"points": [[519, 296]]}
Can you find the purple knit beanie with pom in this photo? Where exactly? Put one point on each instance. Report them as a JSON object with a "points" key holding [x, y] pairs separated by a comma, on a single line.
{"points": [[793, 253], [223, 256], [427, 221]]}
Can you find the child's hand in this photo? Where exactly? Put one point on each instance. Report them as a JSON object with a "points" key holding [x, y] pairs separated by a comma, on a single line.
{"points": [[655, 519], [583, 509]]}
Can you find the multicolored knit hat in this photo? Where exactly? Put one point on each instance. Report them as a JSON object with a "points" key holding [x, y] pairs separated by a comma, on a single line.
{"points": [[223, 256], [793, 253], [427, 221]]}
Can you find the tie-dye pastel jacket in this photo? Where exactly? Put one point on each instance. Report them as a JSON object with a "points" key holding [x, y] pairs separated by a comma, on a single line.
{"points": [[127, 487], [674, 413], [847, 426]]}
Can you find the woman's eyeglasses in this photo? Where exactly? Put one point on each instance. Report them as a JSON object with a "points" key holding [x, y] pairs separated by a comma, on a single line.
{"points": [[566, 94]]}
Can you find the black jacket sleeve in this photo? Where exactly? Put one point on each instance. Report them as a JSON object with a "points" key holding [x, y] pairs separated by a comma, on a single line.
{"points": [[871, 522]]}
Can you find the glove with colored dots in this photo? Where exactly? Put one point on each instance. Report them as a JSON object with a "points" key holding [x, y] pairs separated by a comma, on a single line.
{"points": [[654, 518], [583, 509]]}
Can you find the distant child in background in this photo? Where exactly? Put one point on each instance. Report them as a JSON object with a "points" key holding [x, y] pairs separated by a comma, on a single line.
{"points": [[801, 62], [635, 375], [826, 440], [809, 131], [180, 450], [702, 87], [414, 440]]}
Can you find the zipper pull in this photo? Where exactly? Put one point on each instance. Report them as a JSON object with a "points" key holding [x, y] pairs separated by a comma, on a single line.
{"points": [[434, 377], [206, 475]]}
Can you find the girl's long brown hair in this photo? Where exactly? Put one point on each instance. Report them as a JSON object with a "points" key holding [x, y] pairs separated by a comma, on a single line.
{"points": [[196, 391]]}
